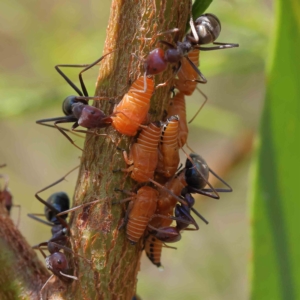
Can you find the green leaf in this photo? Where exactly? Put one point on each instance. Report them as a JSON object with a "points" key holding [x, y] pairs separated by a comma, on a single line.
{"points": [[199, 7], [275, 270]]}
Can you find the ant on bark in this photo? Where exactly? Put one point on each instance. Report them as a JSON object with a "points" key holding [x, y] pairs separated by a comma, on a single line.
{"points": [[204, 30], [57, 261]]}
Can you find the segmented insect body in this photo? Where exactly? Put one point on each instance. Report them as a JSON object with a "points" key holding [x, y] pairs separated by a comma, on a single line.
{"points": [[177, 107], [153, 249], [168, 150], [141, 209], [187, 76], [143, 156], [132, 111]]}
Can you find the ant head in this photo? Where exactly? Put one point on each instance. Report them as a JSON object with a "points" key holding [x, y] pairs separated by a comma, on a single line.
{"points": [[56, 263], [68, 103], [196, 172], [90, 116], [60, 202], [208, 28], [169, 234], [155, 62]]}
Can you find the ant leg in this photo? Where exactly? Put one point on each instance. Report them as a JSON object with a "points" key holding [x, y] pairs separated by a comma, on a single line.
{"points": [[200, 108], [40, 249], [65, 134], [44, 286], [167, 246], [34, 217], [166, 82], [128, 170], [219, 47], [203, 79], [169, 218], [191, 219], [199, 215], [65, 119], [67, 250], [67, 79], [167, 44], [51, 207], [64, 129], [193, 29], [168, 191], [87, 67], [223, 181], [79, 206]]}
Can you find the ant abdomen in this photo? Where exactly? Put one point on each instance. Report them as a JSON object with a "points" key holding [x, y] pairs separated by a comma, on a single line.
{"points": [[208, 28], [196, 175], [61, 202]]}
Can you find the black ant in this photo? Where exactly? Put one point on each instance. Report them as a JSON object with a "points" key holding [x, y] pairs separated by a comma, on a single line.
{"points": [[56, 262], [205, 30], [76, 108]]}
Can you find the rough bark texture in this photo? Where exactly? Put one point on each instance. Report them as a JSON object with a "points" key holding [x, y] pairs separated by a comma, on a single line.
{"points": [[22, 274], [132, 29]]}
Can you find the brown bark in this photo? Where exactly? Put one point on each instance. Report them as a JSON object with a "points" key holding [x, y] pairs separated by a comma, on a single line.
{"points": [[22, 274], [115, 262]]}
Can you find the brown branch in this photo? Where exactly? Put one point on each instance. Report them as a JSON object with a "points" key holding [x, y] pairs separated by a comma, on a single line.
{"points": [[22, 274], [95, 235]]}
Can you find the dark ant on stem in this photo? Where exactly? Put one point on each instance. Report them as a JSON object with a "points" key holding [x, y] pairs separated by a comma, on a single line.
{"points": [[57, 261], [204, 30], [76, 108]]}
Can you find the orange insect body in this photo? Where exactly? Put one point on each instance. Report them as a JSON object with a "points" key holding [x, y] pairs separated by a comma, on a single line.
{"points": [[141, 210], [133, 108], [168, 155], [177, 107], [143, 156], [187, 73], [153, 248], [166, 202]]}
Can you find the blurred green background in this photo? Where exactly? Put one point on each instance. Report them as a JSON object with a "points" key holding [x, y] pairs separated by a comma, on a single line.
{"points": [[36, 35]]}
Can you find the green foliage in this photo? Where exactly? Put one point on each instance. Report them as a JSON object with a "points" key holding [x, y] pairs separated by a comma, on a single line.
{"points": [[199, 7], [275, 236]]}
